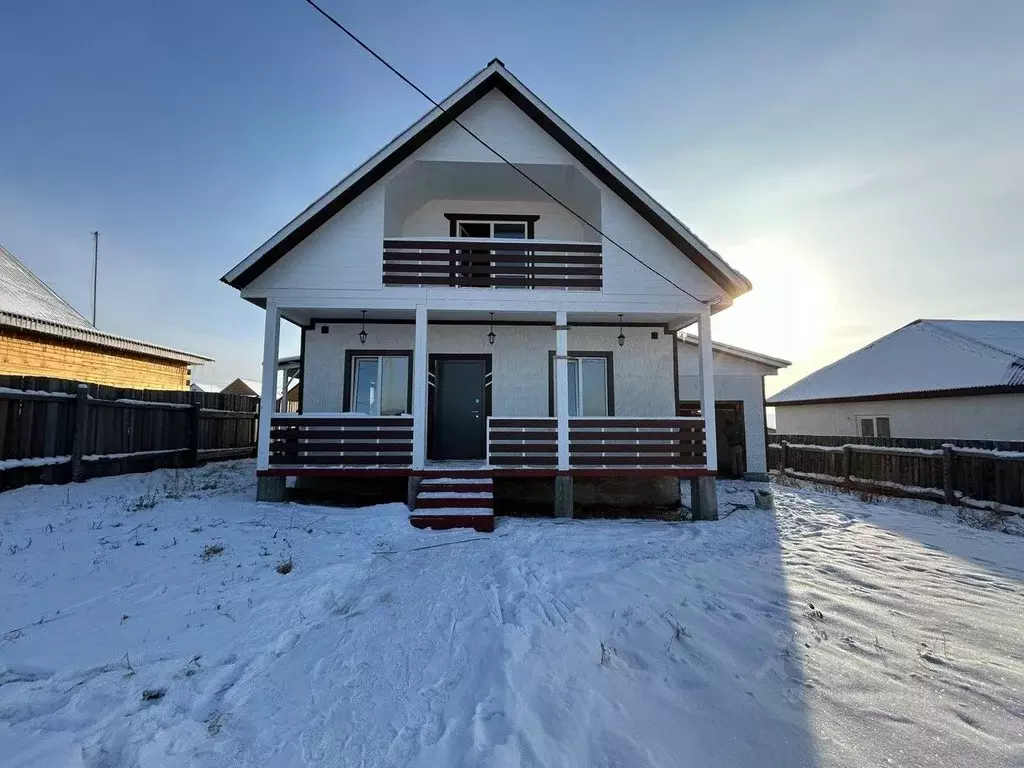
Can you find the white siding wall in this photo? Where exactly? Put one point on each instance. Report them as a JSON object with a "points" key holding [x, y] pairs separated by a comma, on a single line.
{"points": [[986, 417], [642, 369], [346, 252]]}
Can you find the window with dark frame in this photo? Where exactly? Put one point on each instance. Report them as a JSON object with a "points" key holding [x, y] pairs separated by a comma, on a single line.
{"points": [[379, 385]]}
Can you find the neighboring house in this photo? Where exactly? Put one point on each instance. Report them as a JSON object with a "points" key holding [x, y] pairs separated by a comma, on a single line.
{"points": [[251, 388], [206, 388], [43, 335], [739, 398], [930, 379], [463, 330], [248, 387]]}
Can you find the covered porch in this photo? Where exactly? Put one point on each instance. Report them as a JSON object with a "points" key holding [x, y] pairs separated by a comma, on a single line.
{"points": [[492, 393]]}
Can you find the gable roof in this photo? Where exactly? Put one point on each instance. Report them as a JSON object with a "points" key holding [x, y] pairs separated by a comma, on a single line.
{"points": [[737, 352], [492, 77], [28, 304], [924, 358]]}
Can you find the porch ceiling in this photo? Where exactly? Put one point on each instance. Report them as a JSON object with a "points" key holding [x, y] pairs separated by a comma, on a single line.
{"points": [[306, 316]]}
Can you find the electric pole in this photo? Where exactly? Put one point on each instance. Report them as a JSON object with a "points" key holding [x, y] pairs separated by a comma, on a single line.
{"points": [[95, 271]]}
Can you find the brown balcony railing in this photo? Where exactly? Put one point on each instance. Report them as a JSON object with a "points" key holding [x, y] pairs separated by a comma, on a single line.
{"points": [[484, 263], [341, 440]]}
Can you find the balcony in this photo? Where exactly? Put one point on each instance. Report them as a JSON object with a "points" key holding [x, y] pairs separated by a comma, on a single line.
{"points": [[492, 263]]}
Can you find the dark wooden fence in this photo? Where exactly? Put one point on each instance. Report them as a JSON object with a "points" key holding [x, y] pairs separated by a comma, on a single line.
{"points": [[58, 431], [957, 472]]}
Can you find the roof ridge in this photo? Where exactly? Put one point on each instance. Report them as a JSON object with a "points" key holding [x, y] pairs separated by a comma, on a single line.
{"points": [[973, 339]]}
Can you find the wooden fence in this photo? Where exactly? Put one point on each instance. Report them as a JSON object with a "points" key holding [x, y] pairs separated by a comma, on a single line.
{"points": [[58, 431], [957, 473]]}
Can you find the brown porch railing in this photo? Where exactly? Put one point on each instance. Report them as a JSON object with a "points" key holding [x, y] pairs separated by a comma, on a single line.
{"points": [[483, 263], [340, 440], [522, 442], [640, 442]]}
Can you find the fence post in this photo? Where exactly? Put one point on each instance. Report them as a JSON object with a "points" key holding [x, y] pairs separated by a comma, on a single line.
{"points": [[192, 456], [947, 474], [785, 456], [78, 438], [847, 464]]}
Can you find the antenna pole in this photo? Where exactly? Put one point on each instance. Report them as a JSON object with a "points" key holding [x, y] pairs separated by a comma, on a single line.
{"points": [[95, 271]]}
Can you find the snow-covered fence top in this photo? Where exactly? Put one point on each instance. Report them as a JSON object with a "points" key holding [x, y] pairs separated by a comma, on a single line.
{"points": [[952, 472], [56, 430]]}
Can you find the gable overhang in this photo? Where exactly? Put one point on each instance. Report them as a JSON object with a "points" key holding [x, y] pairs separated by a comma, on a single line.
{"points": [[738, 352], [492, 77]]}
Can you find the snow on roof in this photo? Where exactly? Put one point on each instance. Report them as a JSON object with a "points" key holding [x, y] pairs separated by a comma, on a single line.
{"points": [[925, 356], [740, 352], [27, 303], [22, 293], [255, 387], [197, 387]]}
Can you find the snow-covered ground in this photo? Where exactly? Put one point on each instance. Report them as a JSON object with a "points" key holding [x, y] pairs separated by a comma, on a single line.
{"points": [[143, 621]]}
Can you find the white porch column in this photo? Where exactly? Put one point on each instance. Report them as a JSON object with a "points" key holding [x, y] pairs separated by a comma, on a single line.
{"points": [[707, 387], [562, 387], [419, 390], [268, 392]]}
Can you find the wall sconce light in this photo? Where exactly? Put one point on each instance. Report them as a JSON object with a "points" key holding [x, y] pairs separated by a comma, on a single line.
{"points": [[622, 336], [491, 336], [363, 334]]}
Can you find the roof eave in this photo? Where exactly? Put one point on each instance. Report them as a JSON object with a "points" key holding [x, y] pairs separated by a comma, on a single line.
{"points": [[99, 338]]}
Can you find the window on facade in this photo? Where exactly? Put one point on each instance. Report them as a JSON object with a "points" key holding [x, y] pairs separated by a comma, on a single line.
{"points": [[491, 258], [874, 426], [380, 385], [588, 386]]}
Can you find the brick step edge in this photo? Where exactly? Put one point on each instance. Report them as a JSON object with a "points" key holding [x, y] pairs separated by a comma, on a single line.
{"points": [[449, 502]]}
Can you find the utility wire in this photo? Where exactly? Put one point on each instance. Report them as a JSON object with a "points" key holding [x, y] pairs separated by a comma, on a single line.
{"points": [[501, 157]]}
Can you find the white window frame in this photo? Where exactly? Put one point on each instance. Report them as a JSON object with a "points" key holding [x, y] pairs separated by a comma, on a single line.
{"points": [[873, 418], [354, 373], [578, 360]]}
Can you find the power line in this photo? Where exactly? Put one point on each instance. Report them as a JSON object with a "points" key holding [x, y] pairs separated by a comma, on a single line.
{"points": [[500, 156]]}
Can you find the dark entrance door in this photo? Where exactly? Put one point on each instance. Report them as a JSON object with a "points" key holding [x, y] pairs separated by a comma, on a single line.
{"points": [[460, 408]]}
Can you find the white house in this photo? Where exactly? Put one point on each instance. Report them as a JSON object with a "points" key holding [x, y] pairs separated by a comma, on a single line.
{"points": [[489, 326], [739, 398], [930, 379]]}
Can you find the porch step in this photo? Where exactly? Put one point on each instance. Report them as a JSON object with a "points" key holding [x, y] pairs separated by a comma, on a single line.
{"points": [[455, 500], [454, 503], [441, 519], [460, 484]]}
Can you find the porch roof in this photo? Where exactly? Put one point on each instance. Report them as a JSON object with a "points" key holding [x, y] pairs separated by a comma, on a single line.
{"points": [[670, 321]]}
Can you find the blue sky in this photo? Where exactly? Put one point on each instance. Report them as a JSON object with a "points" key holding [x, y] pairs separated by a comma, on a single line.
{"points": [[862, 163]]}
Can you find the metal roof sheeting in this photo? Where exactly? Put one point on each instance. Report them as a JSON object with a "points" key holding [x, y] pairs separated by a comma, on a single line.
{"points": [[28, 304], [925, 356]]}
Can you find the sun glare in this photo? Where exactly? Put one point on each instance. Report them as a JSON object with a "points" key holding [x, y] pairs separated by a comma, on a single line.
{"points": [[788, 311]]}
